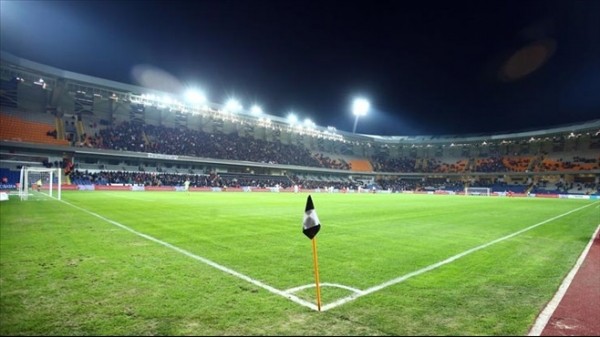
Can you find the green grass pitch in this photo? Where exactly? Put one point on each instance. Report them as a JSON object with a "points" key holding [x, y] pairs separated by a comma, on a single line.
{"points": [[70, 269]]}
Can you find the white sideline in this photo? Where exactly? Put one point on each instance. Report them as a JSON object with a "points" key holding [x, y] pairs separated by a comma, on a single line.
{"points": [[358, 293], [203, 260], [400, 279], [544, 316]]}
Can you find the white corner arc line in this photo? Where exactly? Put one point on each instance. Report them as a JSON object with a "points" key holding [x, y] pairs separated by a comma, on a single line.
{"points": [[400, 279], [544, 316], [340, 286], [339, 301], [258, 283]]}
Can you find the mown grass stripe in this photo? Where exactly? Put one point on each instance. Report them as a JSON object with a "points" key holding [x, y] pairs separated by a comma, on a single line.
{"points": [[442, 263], [225, 269]]}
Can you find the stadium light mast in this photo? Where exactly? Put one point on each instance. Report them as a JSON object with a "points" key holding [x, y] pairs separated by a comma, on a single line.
{"points": [[360, 107]]}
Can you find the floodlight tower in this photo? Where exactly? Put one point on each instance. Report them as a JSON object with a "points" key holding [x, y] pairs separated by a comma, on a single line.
{"points": [[360, 107]]}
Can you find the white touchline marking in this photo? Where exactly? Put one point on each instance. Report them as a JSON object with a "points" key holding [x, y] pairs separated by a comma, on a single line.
{"points": [[400, 279], [544, 316], [203, 260], [357, 293]]}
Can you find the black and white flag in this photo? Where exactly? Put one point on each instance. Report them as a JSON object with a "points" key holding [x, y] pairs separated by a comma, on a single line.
{"points": [[310, 224]]}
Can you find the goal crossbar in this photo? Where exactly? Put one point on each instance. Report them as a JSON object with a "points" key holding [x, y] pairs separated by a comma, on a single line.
{"points": [[478, 191]]}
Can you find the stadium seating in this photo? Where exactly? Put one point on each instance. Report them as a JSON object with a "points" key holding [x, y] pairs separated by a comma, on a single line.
{"points": [[361, 165], [234, 180], [182, 141], [516, 163], [388, 164], [492, 164], [555, 161], [16, 129], [563, 161], [10, 177]]}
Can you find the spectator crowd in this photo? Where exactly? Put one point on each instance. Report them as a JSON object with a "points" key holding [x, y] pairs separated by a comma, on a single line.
{"points": [[131, 136]]}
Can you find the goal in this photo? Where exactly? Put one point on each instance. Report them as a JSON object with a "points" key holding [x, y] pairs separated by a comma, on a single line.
{"points": [[39, 183], [477, 191]]}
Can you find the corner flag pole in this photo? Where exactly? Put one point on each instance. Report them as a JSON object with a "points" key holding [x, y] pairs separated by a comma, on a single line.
{"points": [[310, 227], [316, 265]]}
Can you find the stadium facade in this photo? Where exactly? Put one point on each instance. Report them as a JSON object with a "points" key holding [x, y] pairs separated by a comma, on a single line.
{"points": [[88, 118]]}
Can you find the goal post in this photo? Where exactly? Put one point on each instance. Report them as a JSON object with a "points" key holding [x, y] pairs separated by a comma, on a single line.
{"points": [[39, 183], [478, 191]]}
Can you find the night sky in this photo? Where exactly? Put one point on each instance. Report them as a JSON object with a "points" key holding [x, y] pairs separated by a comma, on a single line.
{"points": [[428, 67]]}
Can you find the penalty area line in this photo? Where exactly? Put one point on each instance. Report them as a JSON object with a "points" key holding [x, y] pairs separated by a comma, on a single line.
{"points": [[206, 261], [400, 279]]}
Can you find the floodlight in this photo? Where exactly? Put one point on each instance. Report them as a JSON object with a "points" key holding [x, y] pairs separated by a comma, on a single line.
{"points": [[233, 106], [256, 110], [360, 107], [309, 123], [194, 96], [292, 118]]}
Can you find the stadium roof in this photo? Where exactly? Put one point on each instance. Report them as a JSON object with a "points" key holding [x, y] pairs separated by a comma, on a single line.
{"points": [[427, 68], [37, 69]]}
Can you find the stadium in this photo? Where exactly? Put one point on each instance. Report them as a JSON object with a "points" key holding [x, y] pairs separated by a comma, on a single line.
{"points": [[122, 154], [141, 210]]}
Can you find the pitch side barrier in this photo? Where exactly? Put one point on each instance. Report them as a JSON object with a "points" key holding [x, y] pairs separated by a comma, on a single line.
{"points": [[134, 187], [504, 194]]}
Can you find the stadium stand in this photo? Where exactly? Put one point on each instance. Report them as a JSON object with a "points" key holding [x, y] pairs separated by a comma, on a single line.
{"points": [[16, 129], [394, 164], [123, 134], [361, 165], [562, 162], [516, 163], [9, 178], [131, 136], [168, 179], [492, 164]]}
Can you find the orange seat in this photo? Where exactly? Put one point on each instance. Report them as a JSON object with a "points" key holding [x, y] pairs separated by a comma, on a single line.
{"points": [[15, 129], [361, 165]]}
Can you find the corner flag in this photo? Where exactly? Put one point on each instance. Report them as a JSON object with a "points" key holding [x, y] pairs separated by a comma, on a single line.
{"points": [[310, 227], [311, 224]]}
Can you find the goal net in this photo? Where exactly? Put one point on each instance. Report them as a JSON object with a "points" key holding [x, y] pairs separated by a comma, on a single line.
{"points": [[39, 183], [478, 191]]}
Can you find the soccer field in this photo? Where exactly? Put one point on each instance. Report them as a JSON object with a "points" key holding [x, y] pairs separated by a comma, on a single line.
{"points": [[177, 263]]}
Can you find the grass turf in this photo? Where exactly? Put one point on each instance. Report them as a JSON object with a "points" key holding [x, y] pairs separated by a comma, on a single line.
{"points": [[66, 272]]}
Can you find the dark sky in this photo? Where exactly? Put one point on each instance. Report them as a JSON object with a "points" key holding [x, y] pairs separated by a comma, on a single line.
{"points": [[428, 67]]}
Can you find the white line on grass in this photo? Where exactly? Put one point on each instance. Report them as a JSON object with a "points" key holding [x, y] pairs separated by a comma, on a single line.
{"points": [[313, 285], [400, 279], [358, 293], [203, 260], [546, 314]]}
